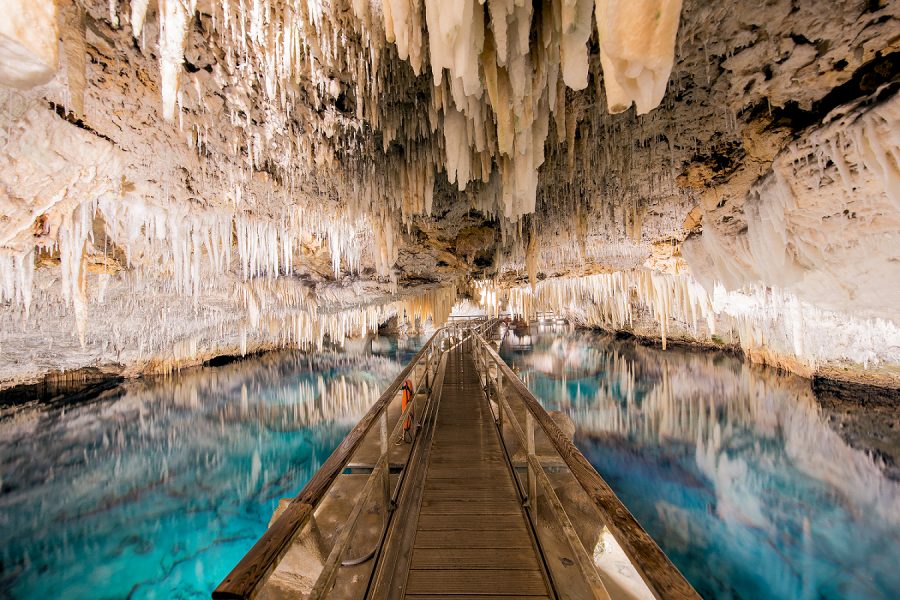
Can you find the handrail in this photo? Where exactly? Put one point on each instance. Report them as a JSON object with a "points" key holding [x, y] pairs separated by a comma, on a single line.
{"points": [[244, 580], [536, 475], [663, 578], [380, 472]]}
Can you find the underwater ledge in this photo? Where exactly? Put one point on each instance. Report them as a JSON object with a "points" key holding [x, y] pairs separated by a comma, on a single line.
{"points": [[42, 387], [886, 377]]}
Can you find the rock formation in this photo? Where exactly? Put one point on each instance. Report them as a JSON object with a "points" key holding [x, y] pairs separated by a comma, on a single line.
{"points": [[181, 179]]}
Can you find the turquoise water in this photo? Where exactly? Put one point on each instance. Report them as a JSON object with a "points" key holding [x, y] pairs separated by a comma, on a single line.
{"points": [[157, 489], [753, 485]]}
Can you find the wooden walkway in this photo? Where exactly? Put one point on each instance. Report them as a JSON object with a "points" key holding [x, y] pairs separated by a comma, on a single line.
{"points": [[443, 515], [472, 537]]}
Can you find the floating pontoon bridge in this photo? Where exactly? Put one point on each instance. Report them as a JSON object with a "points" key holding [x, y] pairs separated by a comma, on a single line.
{"points": [[465, 488]]}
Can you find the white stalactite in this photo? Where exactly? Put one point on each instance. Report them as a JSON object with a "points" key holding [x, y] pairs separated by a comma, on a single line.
{"points": [[174, 18], [637, 50]]}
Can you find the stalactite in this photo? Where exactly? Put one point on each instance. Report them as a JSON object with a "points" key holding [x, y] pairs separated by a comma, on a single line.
{"points": [[637, 49], [808, 224], [319, 143]]}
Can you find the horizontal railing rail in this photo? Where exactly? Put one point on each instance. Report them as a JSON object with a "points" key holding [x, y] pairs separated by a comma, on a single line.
{"points": [[661, 577]]}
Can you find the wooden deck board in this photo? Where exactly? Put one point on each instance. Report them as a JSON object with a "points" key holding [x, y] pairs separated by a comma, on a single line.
{"points": [[518, 559], [463, 538], [470, 523], [500, 582], [470, 506], [468, 484], [467, 597]]}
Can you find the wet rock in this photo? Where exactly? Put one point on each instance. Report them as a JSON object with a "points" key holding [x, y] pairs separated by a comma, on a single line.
{"points": [[298, 571]]}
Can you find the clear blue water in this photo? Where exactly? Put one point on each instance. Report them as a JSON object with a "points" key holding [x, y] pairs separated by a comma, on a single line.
{"points": [[740, 473], [744, 477], [159, 489]]}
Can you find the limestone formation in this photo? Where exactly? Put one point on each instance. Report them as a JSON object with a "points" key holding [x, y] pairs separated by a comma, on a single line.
{"points": [[186, 178]]}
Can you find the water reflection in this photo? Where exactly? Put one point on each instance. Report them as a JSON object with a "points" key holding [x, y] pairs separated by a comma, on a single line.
{"points": [[734, 469], [157, 489]]}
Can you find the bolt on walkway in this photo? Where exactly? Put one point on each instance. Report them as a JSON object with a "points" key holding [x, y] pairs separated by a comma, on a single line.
{"points": [[456, 484]]}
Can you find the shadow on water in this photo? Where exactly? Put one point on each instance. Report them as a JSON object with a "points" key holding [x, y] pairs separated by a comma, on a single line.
{"points": [[756, 483], [155, 488]]}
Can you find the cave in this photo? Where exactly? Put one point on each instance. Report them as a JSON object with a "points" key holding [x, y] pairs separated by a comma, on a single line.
{"points": [[227, 225]]}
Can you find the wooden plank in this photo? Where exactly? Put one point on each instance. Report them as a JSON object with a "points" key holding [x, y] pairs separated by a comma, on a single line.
{"points": [[463, 494], [478, 475], [434, 499], [478, 506], [474, 466], [448, 453], [462, 458], [508, 538], [460, 449], [476, 581], [484, 481], [450, 483], [476, 453], [514, 559], [463, 473], [470, 522]]}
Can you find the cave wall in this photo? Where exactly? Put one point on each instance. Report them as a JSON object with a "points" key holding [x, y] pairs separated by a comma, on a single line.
{"points": [[180, 180]]}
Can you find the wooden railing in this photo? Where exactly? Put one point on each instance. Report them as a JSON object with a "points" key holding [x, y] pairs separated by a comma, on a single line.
{"points": [[254, 569], [245, 580], [658, 573]]}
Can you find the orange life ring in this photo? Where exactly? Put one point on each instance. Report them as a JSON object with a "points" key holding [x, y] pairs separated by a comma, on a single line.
{"points": [[407, 398]]}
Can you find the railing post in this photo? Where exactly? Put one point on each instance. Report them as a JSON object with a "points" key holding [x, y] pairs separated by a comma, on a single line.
{"points": [[532, 477], [386, 456], [499, 404], [498, 386], [316, 534]]}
